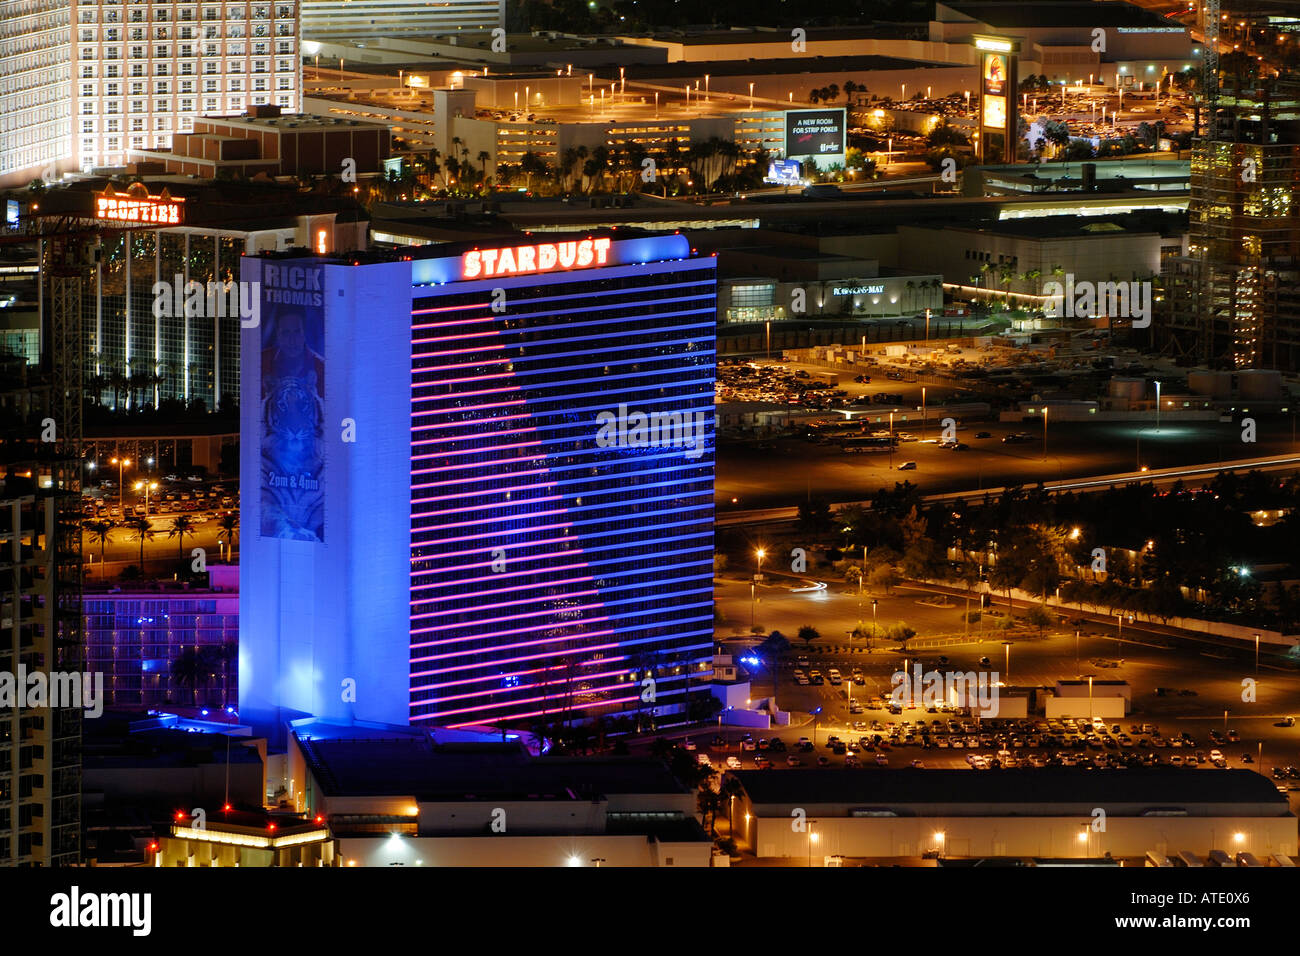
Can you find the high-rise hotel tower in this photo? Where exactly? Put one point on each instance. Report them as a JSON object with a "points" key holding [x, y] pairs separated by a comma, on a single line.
{"points": [[478, 482]]}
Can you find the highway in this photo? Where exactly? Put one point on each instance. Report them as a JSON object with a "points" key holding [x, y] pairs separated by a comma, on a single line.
{"points": [[1159, 477]]}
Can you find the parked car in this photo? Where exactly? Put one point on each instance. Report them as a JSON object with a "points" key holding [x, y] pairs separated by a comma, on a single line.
{"points": [[907, 466]]}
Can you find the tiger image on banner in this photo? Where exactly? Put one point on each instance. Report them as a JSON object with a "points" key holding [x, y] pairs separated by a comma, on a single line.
{"points": [[293, 409]]}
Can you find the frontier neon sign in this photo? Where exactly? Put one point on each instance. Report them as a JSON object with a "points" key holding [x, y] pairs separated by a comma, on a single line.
{"points": [[136, 205], [540, 257]]}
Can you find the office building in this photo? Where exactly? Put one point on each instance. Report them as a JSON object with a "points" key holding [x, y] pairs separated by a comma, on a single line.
{"points": [[1233, 300], [498, 510], [40, 732]]}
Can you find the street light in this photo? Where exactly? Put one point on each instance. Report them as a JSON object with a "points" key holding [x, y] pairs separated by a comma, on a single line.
{"points": [[938, 838], [149, 486], [1256, 655], [1157, 408], [1044, 433], [1007, 678], [760, 554], [874, 602], [751, 96], [121, 463], [813, 838]]}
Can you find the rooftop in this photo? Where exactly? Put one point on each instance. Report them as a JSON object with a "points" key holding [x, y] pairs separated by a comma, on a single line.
{"points": [[1049, 791], [1044, 14], [392, 766]]}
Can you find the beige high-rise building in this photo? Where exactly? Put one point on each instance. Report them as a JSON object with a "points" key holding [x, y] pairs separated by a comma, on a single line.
{"points": [[144, 70]]}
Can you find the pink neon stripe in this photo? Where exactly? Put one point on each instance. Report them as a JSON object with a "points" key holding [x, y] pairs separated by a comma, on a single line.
{"points": [[452, 308]]}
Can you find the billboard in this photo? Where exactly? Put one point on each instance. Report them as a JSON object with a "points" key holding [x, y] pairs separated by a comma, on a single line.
{"points": [[293, 402], [814, 132], [784, 172]]}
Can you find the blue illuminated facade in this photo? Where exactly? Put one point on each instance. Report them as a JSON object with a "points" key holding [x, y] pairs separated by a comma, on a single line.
{"points": [[522, 528]]}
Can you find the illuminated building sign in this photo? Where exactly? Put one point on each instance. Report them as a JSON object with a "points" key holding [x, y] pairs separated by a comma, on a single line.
{"points": [[858, 290], [541, 257], [136, 205], [996, 142]]}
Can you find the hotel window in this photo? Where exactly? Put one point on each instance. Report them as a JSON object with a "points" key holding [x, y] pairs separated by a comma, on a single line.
{"points": [[259, 49], [187, 86], [284, 66], [187, 106], [209, 86], [137, 88], [259, 66], [112, 53], [87, 89], [162, 69], [137, 106], [210, 49], [112, 142], [284, 46], [137, 142], [283, 99], [87, 109], [161, 86], [110, 70], [88, 126], [161, 106], [137, 125], [210, 103], [87, 36], [137, 69], [87, 71], [284, 83], [112, 89], [112, 126], [259, 84]]}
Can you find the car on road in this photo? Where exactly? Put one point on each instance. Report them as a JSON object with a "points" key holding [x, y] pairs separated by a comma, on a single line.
{"points": [[793, 761], [852, 761], [882, 760], [959, 446], [776, 744], [823, 761], [1285, 722], [983, 434], [834, 676], [815, 676], [801, 661], [733, 762], [907, 466], [688, 744], [762, 763]]}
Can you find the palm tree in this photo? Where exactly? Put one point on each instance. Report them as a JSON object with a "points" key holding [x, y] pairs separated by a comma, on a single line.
{"points": [[192, 668], [483, 157], [142, 531], [228, 522], [808, 634], [100, 533], [181, 526]]}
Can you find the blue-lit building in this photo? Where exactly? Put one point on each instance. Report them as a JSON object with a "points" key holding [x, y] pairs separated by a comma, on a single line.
{"points": [[478, 482]]}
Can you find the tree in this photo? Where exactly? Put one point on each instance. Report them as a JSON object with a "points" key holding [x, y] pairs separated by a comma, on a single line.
{"points": [[228, 523], [181, 526], [101, 532], [191, 669], [142, 531], [808, 634], [815, 515]]}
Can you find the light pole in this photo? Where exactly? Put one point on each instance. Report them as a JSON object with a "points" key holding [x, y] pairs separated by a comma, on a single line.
{"points": [[891, 441], [1044, 433], [758, 569], [1256, 655], [751, 96], [1157, 408], [874, 602], [923, 413], [1076, 650], [149, 486], [1090, 677], [1007, 678], [121, 464]]}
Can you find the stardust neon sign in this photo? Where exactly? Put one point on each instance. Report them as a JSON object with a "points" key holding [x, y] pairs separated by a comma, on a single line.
{"points": [[539, 257]]}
